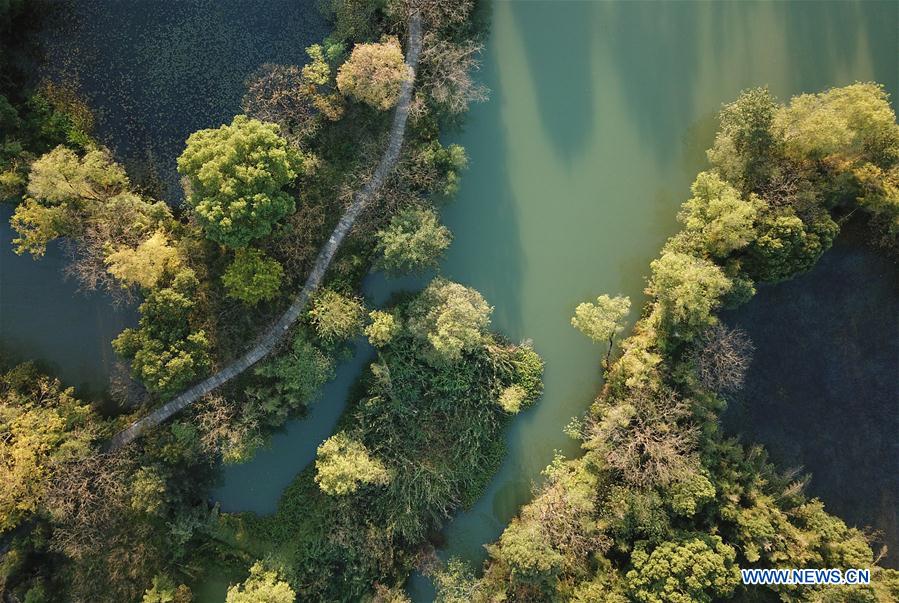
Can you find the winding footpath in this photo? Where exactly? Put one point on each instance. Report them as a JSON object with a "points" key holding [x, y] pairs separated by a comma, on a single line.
{"points": [[276, 332]]}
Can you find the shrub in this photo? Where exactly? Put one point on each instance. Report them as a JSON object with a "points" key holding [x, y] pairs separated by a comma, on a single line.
{"points": [[252, 277], [413, 241], [335, 316]]}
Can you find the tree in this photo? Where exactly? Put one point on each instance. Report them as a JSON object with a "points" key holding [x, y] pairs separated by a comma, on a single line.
{"points": [[236, 175], [433, 168], [511, 398], [42, 426], [166, 353], [413, 241], [263, 586], [603, 320], [454, 583], [63, 190], [164, 590], [723, 358], [382, 328], [297, 98], [375, 73], [697, 568], [532, 563], [647, 437], [688, 289], [447, 69], [145, 264], [451, 317], [746, 147], [879, 196], [252, 277], [717, 213], [343, 464], [289, 381], [353, 19], [786, 246], [335, 316], [854, 122], [113, 551]]}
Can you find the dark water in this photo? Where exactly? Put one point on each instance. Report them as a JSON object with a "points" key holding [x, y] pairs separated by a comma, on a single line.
{"points": [[45, 317], [154, 71], [822, 392]]}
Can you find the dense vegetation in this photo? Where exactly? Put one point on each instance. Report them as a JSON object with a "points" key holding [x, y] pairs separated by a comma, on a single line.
{"points": [[421, 440], [661, 506], [261, 196]]}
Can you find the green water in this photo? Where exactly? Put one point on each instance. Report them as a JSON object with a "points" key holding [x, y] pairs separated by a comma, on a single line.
{"points": [[597, 123]]}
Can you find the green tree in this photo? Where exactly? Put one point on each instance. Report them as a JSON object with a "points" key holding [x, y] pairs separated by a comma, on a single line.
{"points": [[688, 289], [375, 73], [252, 277], [787, 246], [451, 317], [166, 353], [455, 583], [145, 264], [42, 426], [603, 320], [697, 568], [290, 380], [343, 464], [63, 190], [719, 216], [164, 590], [879, 195], [533, 564], [236, 175], [382, 328], [336, 317], [854, 122], [414, 240], [512, 398], [263, 586], [746, 147]]}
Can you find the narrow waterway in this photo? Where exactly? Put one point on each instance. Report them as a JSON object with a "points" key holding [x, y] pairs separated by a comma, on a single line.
{"points": [[599, 116]]}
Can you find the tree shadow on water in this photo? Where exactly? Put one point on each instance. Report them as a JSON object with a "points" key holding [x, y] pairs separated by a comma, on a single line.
{"points": [[560, 68]]}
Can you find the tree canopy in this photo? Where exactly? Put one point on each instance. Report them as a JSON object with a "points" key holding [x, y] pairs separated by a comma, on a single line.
{"points": [[343, 464], [42, 426], [719, 215], [414, 240], [449, 316], [603, 320], [252, 277], [374, 73], [236, 176], [263, 586]]}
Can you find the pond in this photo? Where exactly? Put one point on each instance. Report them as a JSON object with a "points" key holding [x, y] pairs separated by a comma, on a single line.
{"points": [[820, 393], [599, 116]]}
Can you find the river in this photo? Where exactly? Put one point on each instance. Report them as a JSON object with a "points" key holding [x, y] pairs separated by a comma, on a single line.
{"points": [[599, 116]]}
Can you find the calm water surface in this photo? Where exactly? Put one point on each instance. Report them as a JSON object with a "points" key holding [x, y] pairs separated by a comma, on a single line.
{"points": [[598, 120]]}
